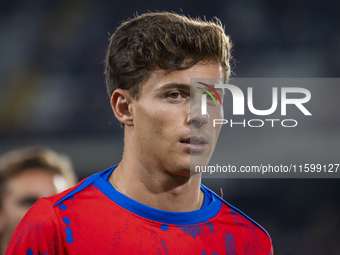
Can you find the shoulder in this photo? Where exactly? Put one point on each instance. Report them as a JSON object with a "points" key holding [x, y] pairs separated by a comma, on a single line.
{"points": [[44, 211], [239, 217], [38, 228], [83, 185], [47, 221], [240, 229], [55, 198]]}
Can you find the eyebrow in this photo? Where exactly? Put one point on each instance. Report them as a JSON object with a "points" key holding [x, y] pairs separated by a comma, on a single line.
{"points": [[218, 90], [221, 90], [173, 85], [28, 199]]}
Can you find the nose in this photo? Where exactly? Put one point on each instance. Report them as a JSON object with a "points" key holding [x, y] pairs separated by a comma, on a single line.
{"points": [[195, 118]]}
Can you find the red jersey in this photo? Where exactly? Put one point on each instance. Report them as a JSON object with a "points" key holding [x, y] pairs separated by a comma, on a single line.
{"points": [[94, 218]]}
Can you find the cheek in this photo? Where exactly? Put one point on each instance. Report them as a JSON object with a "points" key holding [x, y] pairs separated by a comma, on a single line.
{"points": [[216, 114], [217, 130], [153, 120], [12, 211]]}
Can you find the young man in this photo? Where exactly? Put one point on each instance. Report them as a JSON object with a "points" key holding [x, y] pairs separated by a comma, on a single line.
{"points": [[27, 175], [150, 203]]}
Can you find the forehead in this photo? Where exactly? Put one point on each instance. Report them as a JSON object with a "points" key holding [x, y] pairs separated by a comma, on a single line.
{"points": [[31, 180]]}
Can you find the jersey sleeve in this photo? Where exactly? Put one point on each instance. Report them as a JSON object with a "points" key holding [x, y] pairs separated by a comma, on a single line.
{"points": [[38, 232]]}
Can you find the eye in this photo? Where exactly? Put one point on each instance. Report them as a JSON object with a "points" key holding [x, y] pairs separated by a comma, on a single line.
{"points": [[210, 98], [174, 95], [28, 202]]}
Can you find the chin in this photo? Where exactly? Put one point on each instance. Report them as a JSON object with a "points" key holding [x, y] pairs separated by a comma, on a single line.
{"points": [[181, 169], [199, 160], [184, 172]]}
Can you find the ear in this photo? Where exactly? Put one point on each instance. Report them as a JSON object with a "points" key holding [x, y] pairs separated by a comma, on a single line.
{"points": [[121, 103]]}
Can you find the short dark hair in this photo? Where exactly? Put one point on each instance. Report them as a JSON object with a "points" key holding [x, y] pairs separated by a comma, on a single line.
{"points": [[165, 41]]}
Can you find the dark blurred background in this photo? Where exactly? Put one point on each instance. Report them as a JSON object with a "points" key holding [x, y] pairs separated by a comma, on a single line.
{"points": [[52, 93]]}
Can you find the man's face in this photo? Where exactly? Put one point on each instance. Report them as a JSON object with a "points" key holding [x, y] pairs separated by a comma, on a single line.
{"points": [[169, 131], [21, 192]]}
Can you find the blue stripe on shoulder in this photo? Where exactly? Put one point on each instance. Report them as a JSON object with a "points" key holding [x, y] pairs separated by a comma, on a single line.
{"points": [[85, 184], [237, 210]]}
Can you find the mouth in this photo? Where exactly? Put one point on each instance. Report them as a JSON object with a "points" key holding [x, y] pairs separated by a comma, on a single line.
{"points": [[194, 144]]}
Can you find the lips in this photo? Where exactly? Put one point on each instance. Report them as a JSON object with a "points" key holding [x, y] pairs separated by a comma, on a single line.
{"points": [[194, 144]]}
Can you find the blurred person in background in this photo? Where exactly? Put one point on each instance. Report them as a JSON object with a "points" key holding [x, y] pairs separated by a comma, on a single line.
{"points": [[27, 175]]}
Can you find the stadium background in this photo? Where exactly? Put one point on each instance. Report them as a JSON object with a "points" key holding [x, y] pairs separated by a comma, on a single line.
{"points": [[52, 93]]}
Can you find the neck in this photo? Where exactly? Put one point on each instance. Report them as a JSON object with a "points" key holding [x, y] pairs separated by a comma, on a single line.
{"points": [[157, 188]]}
